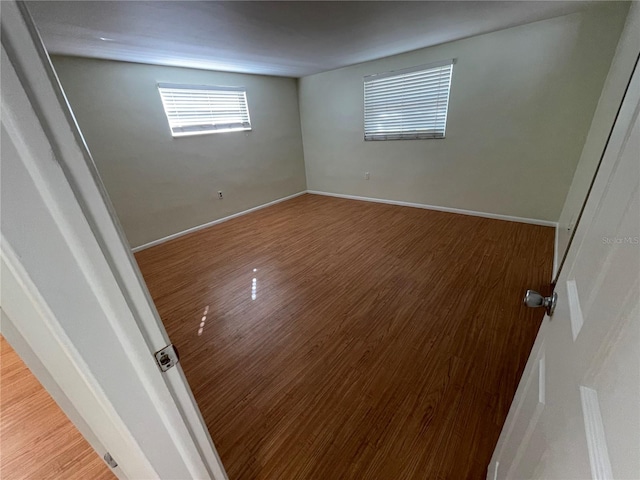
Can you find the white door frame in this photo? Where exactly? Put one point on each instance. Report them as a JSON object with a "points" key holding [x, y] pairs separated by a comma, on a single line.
{"points": [[60, 235], [521, 432]]}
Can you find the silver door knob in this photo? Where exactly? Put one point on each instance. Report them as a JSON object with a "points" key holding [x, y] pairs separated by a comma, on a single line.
{"points": [[534, 300]]}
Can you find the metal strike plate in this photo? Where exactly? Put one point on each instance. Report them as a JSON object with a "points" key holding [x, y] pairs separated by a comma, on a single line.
{"points": [[167, 357]]}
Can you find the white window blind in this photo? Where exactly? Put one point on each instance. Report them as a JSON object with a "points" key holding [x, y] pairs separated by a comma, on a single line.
{"points": [[198, 109], [407, 104]]}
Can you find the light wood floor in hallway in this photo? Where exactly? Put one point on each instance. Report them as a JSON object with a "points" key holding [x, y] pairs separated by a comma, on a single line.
{"points": [[326, 338], [37, 440]]}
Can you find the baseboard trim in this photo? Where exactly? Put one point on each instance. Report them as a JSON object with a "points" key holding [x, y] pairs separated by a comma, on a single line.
{"points": [[495, 216], [212, 223]]}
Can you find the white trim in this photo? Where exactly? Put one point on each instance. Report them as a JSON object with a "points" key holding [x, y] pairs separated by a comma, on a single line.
{"points": [[35, 334], [19, 344], [71, 214], [511, 433], [214, 222], [575, 310], [542, 379], [496, 465], [534, 419], [426, 66], [495, 216], [596, 439]]}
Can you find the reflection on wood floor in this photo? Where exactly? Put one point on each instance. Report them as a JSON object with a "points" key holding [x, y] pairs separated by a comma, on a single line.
{"points": [[326, 338]]}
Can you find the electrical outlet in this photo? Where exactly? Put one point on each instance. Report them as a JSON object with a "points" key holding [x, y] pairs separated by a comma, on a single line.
{"points": [[366, 175], [220, 194]]}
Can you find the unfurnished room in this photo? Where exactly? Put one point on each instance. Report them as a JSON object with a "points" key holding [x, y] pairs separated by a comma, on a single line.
{"points": [[257, 240]]}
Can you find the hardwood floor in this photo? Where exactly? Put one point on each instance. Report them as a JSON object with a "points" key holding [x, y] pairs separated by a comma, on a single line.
{"points": [[381, 342], [37, 440]]}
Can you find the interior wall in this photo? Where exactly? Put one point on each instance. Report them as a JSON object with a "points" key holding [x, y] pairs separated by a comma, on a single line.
{"points": [[612, 94], [520, 107], [161, 185]]}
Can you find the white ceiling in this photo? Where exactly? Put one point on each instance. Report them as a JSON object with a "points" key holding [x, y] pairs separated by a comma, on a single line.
{"points": [[274, 38]]}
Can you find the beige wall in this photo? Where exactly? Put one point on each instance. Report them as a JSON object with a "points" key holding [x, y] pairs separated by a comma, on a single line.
{"points": [[605, 114], [521, 104], [161, 185]]}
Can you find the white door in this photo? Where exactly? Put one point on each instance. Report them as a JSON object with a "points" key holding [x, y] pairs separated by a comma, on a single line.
{"points": [[73, 302], [576, 413]]}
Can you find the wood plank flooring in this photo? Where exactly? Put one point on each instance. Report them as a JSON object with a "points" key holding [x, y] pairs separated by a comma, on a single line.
{"points": [[38, 441], [326, 338]]}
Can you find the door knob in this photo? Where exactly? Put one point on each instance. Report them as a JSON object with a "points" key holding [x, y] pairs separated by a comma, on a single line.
{"points": [[534, 300]]}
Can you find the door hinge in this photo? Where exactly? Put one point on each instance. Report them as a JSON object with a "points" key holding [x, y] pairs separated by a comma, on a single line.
{"points": [[110, 460], [167, 357]]}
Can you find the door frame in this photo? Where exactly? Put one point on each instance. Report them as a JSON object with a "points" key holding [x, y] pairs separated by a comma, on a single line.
{"points": [[37, 118], [529, 401]]}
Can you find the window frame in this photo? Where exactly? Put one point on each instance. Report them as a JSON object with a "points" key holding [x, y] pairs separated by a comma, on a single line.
{"points": [[396, 73], [199, 128]]}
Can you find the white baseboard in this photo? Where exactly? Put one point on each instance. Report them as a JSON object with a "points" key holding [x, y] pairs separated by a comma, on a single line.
{"points": [[214, 222], [495, 216]]}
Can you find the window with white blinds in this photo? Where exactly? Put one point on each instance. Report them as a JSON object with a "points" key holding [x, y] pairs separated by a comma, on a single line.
{"points": [[407, 104], [198, 109]]}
